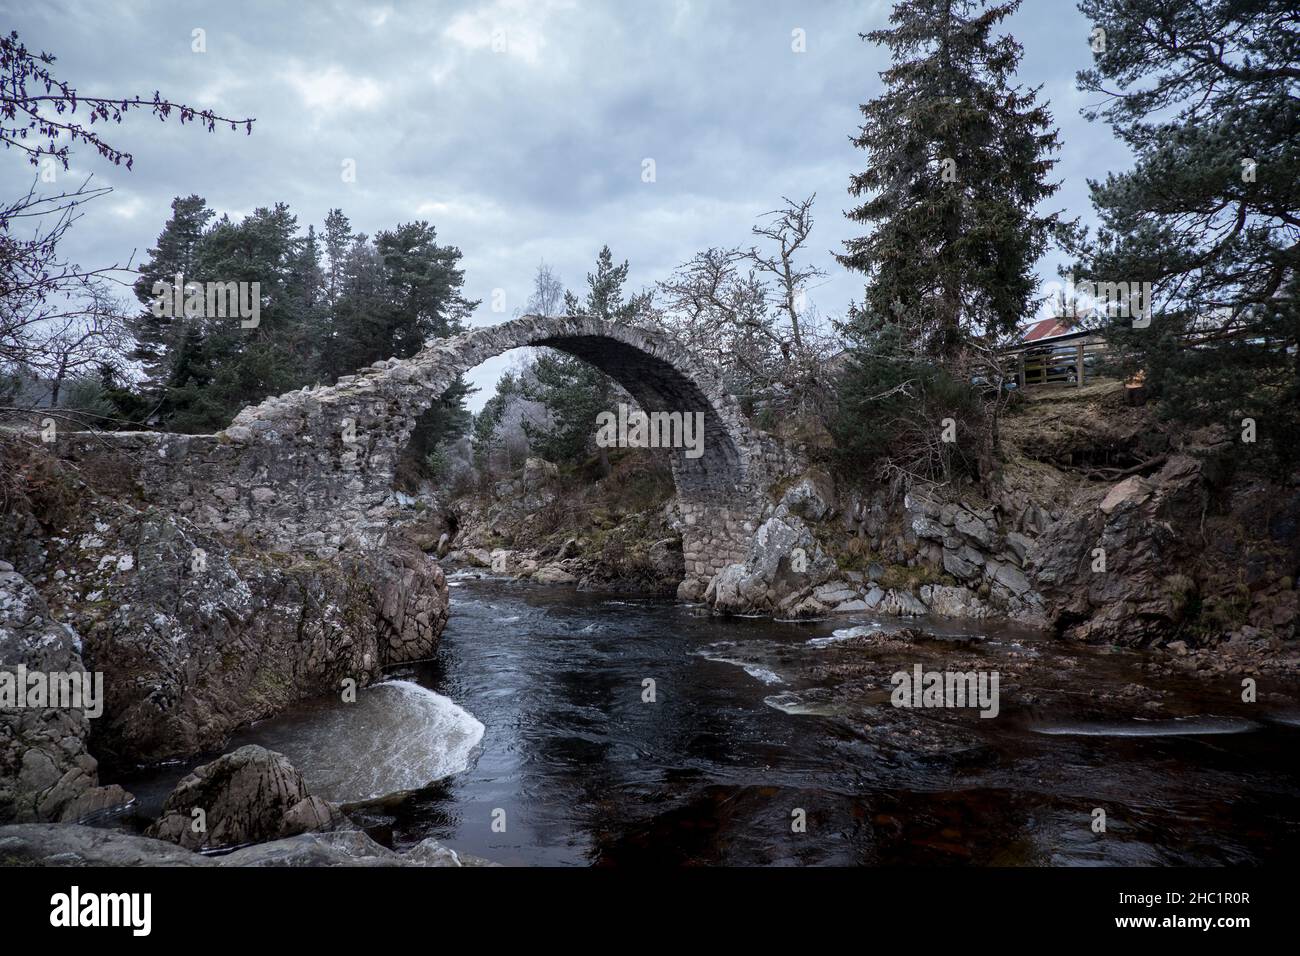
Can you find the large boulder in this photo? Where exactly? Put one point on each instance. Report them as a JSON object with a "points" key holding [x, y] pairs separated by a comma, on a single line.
{"points": [[554, 574], [1131, 526], [975, 528], [902, 603], [784, 559], [947, 601], [248, 796]]}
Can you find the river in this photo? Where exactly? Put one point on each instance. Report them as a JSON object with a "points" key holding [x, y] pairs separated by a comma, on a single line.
{"points": [[530, 739]]}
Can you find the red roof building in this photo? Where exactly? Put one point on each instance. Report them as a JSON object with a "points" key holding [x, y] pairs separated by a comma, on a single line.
{"points": [[1046, 329]]}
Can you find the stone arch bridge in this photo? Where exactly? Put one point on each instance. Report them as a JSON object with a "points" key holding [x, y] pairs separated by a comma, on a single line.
{"points": [[313, 470]]}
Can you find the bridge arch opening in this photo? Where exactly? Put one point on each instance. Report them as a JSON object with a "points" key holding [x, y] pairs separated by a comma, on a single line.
{"points": [[711, 467]]}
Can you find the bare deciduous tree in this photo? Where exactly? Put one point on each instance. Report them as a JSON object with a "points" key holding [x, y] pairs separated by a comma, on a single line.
{"points": [[58, 321], [788, 228], [748, 311], [547, 297], [40, 123]]}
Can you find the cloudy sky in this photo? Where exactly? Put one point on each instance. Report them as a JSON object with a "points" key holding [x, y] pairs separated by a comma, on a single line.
{"points": [[518, 128]]}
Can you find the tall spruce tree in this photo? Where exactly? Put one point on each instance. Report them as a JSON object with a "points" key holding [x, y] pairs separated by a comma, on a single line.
{"points": [[958, 161], [159, 338], [1207, 95]]}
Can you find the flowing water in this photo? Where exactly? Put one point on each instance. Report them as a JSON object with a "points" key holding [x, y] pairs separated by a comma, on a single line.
{"points": [[777, 743]]}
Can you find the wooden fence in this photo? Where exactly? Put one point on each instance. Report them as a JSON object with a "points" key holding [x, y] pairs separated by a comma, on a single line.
{"points": [[1062, 361]]}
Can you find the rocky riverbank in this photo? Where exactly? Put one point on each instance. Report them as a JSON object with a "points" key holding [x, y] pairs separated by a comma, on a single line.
{"points": [[621, 534], [1178, 551], [192, 633], [251, 803], [46, 844], [1099, 527]]}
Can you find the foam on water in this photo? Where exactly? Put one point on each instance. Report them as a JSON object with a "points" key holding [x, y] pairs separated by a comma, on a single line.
{"points": [[398, 736], [844, 634], [1178, 727], [711, 652], [796, 705], [759, 673]]}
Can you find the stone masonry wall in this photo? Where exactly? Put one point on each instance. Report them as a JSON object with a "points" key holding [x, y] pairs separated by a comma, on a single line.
{"points": [[313, 470]]}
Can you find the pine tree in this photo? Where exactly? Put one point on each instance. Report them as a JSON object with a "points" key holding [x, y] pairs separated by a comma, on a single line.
{"points": [[318, 320], [425, 280], [573, 391], [338, 240], [1208, 97], [394, 296], [958, 162], [245, 365], [210, 366], [157, 339]]}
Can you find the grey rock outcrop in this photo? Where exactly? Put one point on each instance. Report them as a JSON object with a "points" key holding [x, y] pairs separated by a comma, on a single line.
{"points": [[248, 796], [45, 844], [46, 771], [812, 496], [196, 637], [344, 848], [1138, 595], [75, 846], [970, 541], [784, 559]]}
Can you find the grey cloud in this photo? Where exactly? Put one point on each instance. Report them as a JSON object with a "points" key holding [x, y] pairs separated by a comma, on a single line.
{"points": [[514, 157]]}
